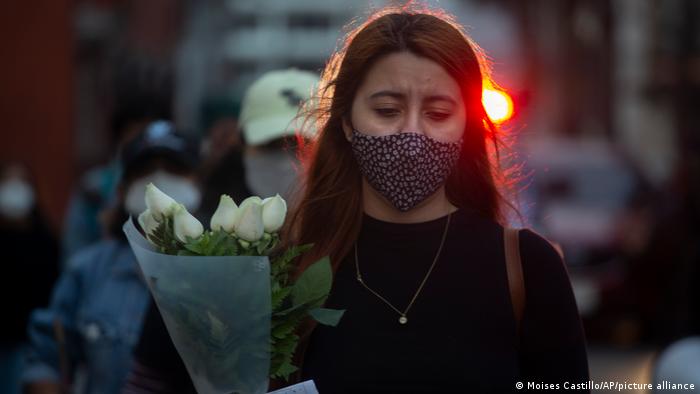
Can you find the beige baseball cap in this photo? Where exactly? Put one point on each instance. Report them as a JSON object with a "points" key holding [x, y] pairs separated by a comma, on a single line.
{"points": [[270, 105]]}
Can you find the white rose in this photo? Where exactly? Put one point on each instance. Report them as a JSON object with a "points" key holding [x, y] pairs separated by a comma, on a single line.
{"points": [[249, 224], [186, 225], [250, 200], [148, 222], [274, 212], [158, 202], [225, 216]]}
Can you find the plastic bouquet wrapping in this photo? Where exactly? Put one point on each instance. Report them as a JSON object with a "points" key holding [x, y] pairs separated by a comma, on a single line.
{"points": [[230, 309]]}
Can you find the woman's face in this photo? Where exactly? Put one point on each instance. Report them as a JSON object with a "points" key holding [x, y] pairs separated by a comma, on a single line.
{"points": [[403, 92]]}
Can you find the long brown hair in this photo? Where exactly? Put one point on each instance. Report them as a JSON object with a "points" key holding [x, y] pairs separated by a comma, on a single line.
{"points": [[328, 209]]}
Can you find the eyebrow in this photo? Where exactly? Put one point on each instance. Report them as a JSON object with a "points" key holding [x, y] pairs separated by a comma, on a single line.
{"points": [[401, 96]]}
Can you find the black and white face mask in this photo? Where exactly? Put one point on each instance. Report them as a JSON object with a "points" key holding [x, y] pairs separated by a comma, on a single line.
{"points": [[406, 168]]}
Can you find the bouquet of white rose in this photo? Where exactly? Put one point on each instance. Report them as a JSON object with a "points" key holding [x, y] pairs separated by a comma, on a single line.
{"points": [[230, 311]]}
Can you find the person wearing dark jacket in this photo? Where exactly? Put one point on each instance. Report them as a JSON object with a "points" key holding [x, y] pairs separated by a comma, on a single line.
{"points": [[31, 261]]}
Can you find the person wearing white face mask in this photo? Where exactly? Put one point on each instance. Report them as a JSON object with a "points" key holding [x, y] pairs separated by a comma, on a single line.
{"points": [[16, 198], [268, 119], [100, 300], [253, 154], [183, 189], [164, 158], [30, 267]]}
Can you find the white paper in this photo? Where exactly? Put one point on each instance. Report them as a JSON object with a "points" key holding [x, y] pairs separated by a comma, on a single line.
{"points": [[307, 387]]}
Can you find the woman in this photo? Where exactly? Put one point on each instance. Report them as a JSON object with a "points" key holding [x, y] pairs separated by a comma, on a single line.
{"points": [[401, 173], [98, 305]]}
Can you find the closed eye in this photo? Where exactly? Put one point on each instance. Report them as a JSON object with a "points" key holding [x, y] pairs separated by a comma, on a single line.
{"points": [[438, 116], [386, 112]]}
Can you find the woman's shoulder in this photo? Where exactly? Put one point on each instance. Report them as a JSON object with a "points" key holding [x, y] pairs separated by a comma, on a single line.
{"points": [[533, 243], [488, 232], [543, 264]]}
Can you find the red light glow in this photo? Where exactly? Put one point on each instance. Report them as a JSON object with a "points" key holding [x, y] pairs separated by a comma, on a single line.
{"points": [[497, 103]]}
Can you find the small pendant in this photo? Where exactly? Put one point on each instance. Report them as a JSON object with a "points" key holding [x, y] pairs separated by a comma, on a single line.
{"points": [[403, 320]]}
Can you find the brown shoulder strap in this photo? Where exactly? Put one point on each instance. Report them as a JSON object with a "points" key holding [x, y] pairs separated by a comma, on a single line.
{"points": [[515, 273]]}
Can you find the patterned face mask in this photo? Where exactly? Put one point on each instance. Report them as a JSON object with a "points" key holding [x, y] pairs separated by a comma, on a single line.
{"points": [[406, 168]]}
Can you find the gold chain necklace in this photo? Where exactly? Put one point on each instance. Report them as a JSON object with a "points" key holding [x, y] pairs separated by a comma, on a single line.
{"points": [[402, 315]]}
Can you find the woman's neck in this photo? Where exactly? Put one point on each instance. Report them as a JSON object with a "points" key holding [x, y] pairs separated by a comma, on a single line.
{"points": [[378, 207]]}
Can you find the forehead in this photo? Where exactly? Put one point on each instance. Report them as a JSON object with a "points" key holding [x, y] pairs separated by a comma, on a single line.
{"points": [[410, 74]]}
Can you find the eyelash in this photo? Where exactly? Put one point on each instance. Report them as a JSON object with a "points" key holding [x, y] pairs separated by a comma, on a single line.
{"points": [[391, 112], [386, 112], [439, 116]]}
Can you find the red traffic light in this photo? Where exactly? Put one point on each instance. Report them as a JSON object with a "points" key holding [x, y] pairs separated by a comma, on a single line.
{"points": [[497, 103]]}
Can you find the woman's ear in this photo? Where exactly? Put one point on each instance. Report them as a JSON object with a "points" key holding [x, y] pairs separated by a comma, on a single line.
{"points": [[347, 129]]}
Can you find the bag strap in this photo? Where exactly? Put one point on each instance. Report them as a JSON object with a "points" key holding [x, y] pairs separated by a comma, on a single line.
{"points": [[514, 267]]}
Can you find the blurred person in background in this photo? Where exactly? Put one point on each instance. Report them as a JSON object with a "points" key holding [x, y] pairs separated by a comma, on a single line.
{"points": [[85, 338], [30, 267], [254, 154], [268, 120], [266, 165], [221, 170], [143, 91]]}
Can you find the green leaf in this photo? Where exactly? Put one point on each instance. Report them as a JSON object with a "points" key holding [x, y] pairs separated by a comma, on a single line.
{"points": [[222, 244], [215, 243], [286, 346], [285, 328], [218, 243], [262, 246], [198, 246], [230, 245], [314, 284], [328, 317], [300, 308], [163, 237], [291, 253], [282, 355], [279, 295], [280, 265], [274, 241], [285, 370]]}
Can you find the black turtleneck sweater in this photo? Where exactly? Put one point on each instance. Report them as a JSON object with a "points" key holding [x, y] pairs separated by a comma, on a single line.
{"points": [[460, 335]]}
